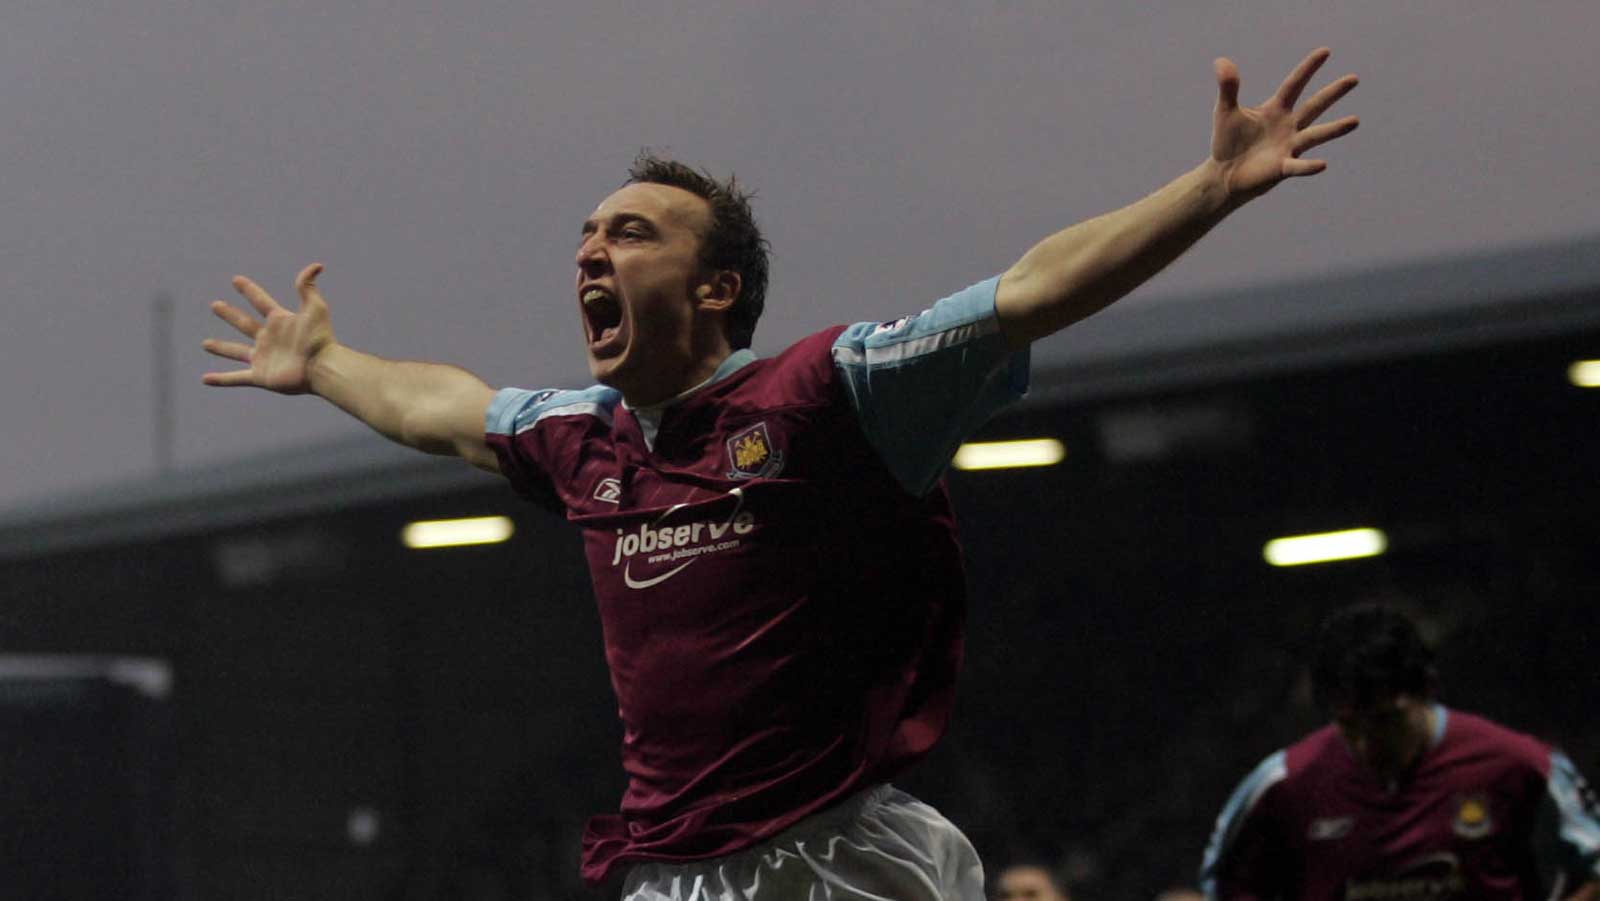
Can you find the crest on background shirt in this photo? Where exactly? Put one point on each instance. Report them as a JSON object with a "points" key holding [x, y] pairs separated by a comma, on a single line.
{"points": [[751, 454], [1472, 816], [608, 490]]}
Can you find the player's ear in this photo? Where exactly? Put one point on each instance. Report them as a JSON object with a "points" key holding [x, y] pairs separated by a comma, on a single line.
{"points": [[719, 292]]}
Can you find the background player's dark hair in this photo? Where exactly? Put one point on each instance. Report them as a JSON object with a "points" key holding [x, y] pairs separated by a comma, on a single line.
{"points": [[734, 242], [1367, 653]]}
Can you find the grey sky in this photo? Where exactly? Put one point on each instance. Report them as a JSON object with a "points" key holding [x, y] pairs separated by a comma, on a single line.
{"points": [[439, 157]]}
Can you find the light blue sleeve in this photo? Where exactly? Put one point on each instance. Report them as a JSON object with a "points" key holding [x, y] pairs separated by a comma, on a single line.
{"points": [[922, 384], [1578, 816], [1269, 772], [515, 410]]}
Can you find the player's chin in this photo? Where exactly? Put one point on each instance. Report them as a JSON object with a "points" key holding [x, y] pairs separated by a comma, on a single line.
{"points": [[607, 368], [601, 371]]}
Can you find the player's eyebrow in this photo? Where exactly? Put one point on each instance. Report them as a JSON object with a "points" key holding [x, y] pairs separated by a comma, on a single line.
{"points": [[617, 220]]}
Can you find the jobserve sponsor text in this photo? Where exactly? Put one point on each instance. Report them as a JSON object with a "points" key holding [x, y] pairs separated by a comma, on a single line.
{"points": [[670, 541]]}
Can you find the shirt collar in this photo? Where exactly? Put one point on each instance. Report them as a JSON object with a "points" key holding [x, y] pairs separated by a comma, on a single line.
{"points": [[649, 418], [735, 361]]}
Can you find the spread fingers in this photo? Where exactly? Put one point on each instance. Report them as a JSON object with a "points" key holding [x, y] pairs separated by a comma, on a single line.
{"points": [[232, 350], [236, 317]]}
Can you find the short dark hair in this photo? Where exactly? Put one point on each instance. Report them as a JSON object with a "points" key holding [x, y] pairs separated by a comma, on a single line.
{"points": [[733, 242], [1369, 653]]}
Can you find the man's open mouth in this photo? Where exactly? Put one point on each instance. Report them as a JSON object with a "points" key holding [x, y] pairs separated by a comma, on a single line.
{"points": [[602, 314]]}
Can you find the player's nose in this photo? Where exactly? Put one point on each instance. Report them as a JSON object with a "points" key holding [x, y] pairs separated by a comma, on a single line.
{"points": [[592, 260]]}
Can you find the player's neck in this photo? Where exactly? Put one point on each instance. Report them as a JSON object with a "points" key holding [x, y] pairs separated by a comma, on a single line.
{"points": [[693, 379], [1423, 722], [707, 349]]}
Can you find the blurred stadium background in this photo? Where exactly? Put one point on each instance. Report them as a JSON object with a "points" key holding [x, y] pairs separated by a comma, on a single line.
{"points": [[237, 682]]}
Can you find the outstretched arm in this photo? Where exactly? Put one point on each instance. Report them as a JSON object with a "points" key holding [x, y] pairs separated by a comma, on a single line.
{"points": [[1079, 271], [429, 406]]}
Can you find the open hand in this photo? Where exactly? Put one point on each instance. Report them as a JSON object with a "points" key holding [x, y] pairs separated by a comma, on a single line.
{"points": [[282, 345], [1262, 145]]}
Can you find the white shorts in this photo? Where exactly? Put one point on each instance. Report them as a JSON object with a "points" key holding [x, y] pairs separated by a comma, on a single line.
{"points": [[879, 844]]}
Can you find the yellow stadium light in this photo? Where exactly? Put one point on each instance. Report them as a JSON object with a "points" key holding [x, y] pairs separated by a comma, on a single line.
{"points": [[1009, 454], [431, 533], [1585, 373], [1323, 547]]}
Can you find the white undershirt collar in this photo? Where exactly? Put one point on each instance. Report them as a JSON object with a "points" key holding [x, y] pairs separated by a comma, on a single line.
{"points": [[650, 417]]}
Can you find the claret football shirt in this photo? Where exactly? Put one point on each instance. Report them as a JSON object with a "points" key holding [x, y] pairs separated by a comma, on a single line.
{"points": [[1312, 822], [776, 568]]}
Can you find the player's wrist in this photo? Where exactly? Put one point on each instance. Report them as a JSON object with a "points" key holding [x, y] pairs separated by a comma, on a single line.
{"points": [[1217, 186], [323, 366], [1215, 182]]}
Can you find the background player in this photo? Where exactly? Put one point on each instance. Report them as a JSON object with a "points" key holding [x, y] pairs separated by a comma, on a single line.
{"points": [[1400, 797], [1026, 881], [772, 555]]}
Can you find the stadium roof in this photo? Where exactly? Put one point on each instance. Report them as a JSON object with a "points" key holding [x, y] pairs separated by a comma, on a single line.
{"points": [[1382, 313]]}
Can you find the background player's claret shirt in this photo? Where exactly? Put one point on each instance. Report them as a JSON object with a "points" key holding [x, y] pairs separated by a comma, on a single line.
{"points": [[775, 565], [1311, 822]]}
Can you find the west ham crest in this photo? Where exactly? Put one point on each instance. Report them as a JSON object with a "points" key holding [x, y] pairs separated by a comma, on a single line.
{"points": [[1472, 817], [751, 454]]}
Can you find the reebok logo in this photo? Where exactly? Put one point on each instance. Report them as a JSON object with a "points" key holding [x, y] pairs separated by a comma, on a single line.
{"points": [[1327, 829], [608, 491]]}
